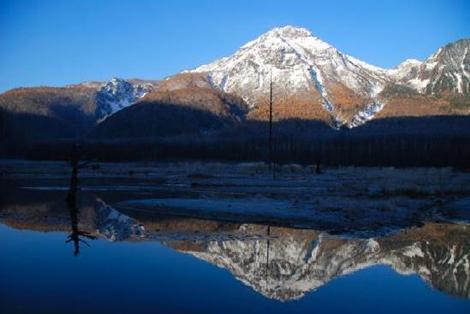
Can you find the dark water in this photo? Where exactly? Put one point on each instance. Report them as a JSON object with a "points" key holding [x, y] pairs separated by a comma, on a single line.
{"points": [[125, 263]]}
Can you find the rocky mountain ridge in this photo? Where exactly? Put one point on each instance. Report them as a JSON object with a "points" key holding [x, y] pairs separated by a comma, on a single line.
{"points": [[312, 81], [298, 63]]}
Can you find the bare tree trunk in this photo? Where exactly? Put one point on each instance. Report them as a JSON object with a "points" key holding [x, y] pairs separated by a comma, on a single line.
{"points": [[271, 157], [74, 160], [75, 235]]}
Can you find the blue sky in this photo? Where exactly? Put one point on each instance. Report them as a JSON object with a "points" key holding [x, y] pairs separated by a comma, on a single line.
{"points": [[60, 42]]}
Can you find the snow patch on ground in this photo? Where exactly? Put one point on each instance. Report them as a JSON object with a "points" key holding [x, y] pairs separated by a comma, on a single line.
{"points": [[366, 114]]}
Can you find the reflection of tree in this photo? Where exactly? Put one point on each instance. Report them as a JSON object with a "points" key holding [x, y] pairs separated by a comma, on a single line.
{"points": [[76, 235], [267, 250]]}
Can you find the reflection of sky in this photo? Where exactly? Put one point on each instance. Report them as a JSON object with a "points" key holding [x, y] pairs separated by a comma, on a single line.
{"points": [[39, 273]]}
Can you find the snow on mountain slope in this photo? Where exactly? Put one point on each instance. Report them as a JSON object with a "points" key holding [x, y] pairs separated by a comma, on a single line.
{"points": [[293, 263], [115, 226], [292, 267], [349, 89], [366, 114], [405, 70], [298, 62], [118, 94], [447, 70], [312, 80]]}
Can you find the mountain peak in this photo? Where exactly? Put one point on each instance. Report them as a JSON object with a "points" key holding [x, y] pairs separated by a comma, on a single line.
{"points": [[285, 37], [304, 68], [291, 31], [447, 70], [116, 80], [117, 94], [299, 64], [409, 62]]}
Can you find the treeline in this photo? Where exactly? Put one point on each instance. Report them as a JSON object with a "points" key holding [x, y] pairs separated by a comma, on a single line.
{"points": [[403, 142], [399, 151]]}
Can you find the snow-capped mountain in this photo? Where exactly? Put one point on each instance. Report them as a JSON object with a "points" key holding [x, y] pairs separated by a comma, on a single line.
{"points": [[118, 94], [298, 63], [312, 80], [406, 72], [303, 68], [447, 70]]}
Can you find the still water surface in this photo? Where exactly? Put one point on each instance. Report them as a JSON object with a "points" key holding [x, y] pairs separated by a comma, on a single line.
{"points": [[95, 259], [40, 275]]}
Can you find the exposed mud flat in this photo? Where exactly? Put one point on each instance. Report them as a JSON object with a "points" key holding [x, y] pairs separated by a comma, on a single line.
{"points": [[359, 201]]}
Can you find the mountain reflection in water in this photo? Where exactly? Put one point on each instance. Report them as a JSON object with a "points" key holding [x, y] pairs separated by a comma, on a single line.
{"points": [[279, 262]]}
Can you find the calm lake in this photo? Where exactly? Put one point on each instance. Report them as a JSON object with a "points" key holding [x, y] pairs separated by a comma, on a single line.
{"points": [[98, 257]]}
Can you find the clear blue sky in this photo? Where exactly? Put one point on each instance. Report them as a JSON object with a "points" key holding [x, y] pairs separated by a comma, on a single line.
{"points": [[60, 42]]}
